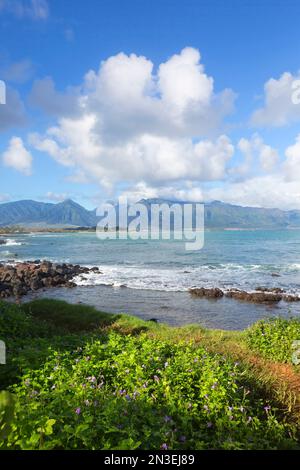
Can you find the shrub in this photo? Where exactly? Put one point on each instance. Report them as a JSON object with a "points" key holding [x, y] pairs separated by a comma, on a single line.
{"points": [[273, 338]]}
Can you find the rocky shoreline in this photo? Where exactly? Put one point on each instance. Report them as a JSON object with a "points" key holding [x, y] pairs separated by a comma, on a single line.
{"points": [[20, 278], [260, 295]]}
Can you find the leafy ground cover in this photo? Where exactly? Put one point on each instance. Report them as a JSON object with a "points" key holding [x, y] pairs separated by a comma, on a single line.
{"points": [[77, 378], [274, 338]]}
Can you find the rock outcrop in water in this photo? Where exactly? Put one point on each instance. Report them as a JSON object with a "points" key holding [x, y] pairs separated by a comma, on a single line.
{"points": [[261, 295], [19, 279], [213, 293]]}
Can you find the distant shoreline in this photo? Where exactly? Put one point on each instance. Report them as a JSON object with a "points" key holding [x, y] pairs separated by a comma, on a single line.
{"points": [[6, 231]]}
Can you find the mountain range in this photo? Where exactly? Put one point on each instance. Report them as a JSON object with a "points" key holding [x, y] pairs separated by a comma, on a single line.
{"points": [[68, 213]]}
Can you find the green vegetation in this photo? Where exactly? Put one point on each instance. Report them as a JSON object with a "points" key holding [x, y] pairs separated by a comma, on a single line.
{"points": [[274, 339], [77, 378]]}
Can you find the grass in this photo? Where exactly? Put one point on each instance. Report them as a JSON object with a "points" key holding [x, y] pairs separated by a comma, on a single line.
{"points": [[77, 378]]}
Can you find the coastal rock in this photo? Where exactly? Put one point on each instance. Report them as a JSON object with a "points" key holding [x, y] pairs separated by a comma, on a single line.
{"points": [[260, 295], [256, 297], [2, 242], [291, 298], [18, 279], [275, 290], [213, 293]]}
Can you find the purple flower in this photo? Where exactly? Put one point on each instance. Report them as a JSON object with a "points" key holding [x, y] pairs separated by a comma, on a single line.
{"points": [[128, 398], [164, 446], [205, 407], [156, 378], [78, 411], [182, 439], [209, 424], [88, 358], [267, 408], [231, 418], [230, 408], [167, 419], [91, 379]]}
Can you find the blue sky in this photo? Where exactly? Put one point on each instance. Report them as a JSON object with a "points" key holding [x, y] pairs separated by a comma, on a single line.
{"points": [[180, 99]]}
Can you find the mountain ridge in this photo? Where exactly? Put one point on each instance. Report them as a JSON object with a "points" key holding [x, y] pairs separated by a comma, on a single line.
{"points": [[69, 213]]}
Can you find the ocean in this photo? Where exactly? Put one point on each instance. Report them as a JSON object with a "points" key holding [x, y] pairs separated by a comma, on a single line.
{"points": [[151, 278]]}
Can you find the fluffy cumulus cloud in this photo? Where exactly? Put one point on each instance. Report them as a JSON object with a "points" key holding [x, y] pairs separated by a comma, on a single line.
{"points": [[279, 107], [161, 132], [17, 157], [271, 191], [134, 124], [278, 186], [257, 156]]}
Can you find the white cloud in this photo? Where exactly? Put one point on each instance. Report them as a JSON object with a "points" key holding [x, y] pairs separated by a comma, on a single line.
{"points": [[44, 96], [279, 108], [56, 197], [33, 9], [17, 157], [12, 114], [279, 188], [292, 164], [132, 124], [18, 72], [4, 197], [257, 157], [184, 192], [271, 191]]}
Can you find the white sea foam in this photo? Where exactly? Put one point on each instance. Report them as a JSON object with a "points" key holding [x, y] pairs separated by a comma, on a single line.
{"points": [[11, 242], [225, 276]]}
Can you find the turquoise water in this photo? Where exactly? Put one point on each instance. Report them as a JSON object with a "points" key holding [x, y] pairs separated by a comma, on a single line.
{"points": [[144, 277]]}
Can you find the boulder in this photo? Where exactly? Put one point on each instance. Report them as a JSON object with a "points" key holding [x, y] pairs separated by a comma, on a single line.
{"points": [[257, 297], [213, 293]]}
